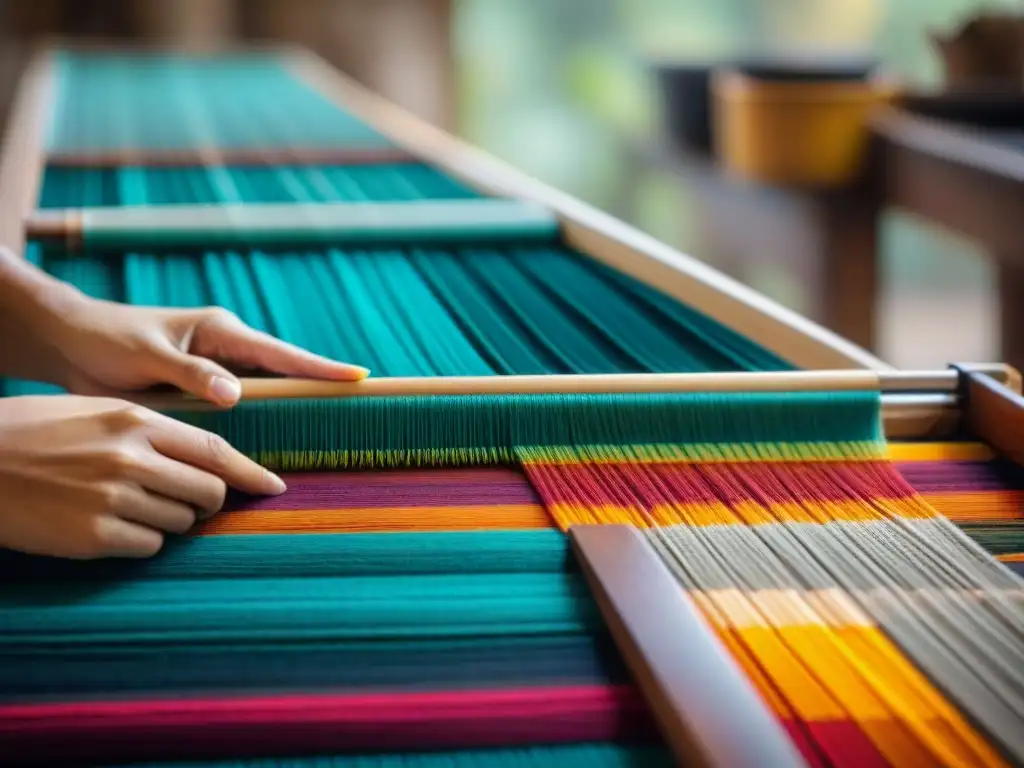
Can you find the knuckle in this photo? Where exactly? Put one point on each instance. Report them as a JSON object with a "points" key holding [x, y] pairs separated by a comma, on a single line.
{"points": [[182, 521], [121, 461], [109, 496], [150, 547], [126, 419], [219, 314], [97, 539], [217, 449], [94, 542], [214, 497]]}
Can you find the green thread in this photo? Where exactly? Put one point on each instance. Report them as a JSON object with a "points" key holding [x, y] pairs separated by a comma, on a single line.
{"points": [[569, 756], [128, 187], [309, 609], [162, 101], [368, 432], [417, 312]]}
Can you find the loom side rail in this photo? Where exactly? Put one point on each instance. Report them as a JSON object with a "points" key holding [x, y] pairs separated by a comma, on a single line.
{"points": [[708, 711], [22, 156], [994, 413]]}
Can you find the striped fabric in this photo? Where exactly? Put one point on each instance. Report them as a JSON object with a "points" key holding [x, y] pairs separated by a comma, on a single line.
{"points": [[972, 486], [966, 482], [453, 620], [814, 571]]}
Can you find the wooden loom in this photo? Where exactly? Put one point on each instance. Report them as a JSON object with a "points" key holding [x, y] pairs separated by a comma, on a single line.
{"points": [[639, 601]]}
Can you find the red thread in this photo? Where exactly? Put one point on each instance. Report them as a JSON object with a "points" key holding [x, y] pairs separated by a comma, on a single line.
{"points": [[264, 726]]}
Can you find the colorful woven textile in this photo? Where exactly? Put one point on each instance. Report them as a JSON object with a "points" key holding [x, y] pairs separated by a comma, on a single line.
{"points": [[451, 618]]}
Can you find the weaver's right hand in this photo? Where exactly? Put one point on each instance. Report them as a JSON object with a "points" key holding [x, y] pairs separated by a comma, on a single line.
{"points": [[84, 477]]}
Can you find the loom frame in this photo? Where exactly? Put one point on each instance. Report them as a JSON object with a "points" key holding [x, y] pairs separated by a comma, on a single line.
{"points": [[985, 399]]}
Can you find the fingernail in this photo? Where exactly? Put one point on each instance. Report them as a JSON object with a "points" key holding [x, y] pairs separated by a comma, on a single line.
{"points": [[277, 484], [361, 372], [225, 390]]}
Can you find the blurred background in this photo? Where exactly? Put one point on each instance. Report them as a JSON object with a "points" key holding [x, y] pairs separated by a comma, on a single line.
{"points": [[568, 91]]}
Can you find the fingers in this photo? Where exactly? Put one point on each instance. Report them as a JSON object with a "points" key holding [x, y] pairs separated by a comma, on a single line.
{"points": [[215, 333], [156, 512], [210, 452], [199, 376], [111, 536], [182, 483], [224, 336]]}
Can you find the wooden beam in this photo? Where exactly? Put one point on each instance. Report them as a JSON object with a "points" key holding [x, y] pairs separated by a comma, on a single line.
{"points": [[21, 155], [994, 414]]}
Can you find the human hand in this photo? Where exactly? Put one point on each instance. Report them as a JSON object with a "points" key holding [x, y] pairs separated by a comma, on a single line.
{"points": [[112, 350], [85, 477], [50, 331]]}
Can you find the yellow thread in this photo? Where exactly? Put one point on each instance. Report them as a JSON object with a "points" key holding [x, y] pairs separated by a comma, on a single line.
{"points": [[906, 691], [808, 699], [454, 518], [939, 452], [863, 694]]}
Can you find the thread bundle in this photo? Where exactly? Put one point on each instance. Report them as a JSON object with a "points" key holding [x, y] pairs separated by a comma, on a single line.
{"points": [[166, 102]]}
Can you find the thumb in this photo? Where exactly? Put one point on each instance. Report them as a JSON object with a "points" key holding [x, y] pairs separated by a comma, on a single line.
{"points": [[199, 376]]}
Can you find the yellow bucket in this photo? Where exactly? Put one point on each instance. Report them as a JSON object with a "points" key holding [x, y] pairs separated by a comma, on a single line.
{"points": [[799, 132]]}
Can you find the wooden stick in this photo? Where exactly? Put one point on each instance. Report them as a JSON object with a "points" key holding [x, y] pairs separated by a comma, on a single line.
{"points": [[210, 226], [910, 390], [599, 236], [708, 711], [21, 157], [249, 156], [787, 381]]}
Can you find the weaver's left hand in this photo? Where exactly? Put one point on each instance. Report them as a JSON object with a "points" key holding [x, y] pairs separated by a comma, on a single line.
{"points": [[110, 350]]}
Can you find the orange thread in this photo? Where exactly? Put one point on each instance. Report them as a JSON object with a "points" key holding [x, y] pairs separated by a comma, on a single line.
{"points": [[395, 519]]}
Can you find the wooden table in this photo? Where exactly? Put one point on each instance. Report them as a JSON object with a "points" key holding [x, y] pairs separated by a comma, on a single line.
{"points": [[967, 180], [824, 240]]}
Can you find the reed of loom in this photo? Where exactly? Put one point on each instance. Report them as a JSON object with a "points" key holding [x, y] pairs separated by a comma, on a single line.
{"points": [[639, 600]]}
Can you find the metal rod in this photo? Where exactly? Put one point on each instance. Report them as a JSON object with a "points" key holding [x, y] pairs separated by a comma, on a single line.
{"points": [[947, 380]]}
